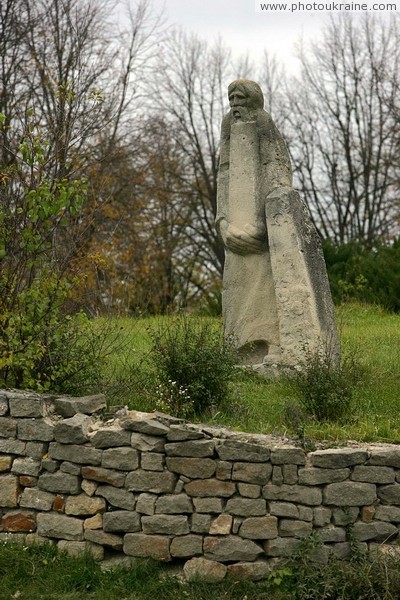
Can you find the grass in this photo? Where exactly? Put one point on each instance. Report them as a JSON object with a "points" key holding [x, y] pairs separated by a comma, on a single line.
{"points": [[368, 333]]}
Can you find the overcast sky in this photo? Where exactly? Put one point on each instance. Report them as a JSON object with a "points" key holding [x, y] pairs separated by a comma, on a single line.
{"points": [[244, 29]]}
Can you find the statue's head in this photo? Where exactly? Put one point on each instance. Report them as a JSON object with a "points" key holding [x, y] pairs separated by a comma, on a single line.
{"points": [[245, 99]]}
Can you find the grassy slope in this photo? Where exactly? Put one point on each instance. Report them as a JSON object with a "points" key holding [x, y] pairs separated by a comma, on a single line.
{"points": [[369, 333]]}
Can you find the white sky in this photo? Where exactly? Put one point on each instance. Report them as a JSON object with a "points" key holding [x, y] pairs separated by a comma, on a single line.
{"points": [[244, 29]]}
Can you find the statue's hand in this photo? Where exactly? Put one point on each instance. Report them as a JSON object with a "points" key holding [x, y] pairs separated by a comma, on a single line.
{"points": [[248, 240]]}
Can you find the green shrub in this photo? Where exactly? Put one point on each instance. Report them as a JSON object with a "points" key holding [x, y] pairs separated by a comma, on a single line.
{"points": [[194, 365]]}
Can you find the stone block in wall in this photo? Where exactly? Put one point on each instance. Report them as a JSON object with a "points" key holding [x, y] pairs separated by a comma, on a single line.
{"points": [[121, 520], [388, 513], [207, 571], [27, 480], [122, 458], [191, 449], [293, 493], [230, 548], [141, 422], [305, 513], [284, 509], [152, 461], [19, 521], [71, 468], [196, 468], [179, 433], [385, 458], [36, 450], [26, 466], [117, 497], [318, 475], [223, 470], [246, 507], [165, 524], [110, 437], [95, 522], [174, 504], [243, 451], [35, 538], [371, 474], [83, 505], [59, 526], [151, 481], [102, 538], [74, 430], [3, 406], [59, 504], [288, 456], [221, 525], [277, 475], [27, 406], [255, 571], [147, 443], [89, 487], [294, 528], [68, 407], [186, 546], [249, 490], [8, 427], [331, 534], [367, 514], [281, 546], [37, 499], [146, 504], [389, 494], [259, 528], [257, 473], [60, 483], [38, 430], [200, 523], [82, 455], [147, 546], [8, 446], [109, 476], [49, 465], [290, 474], [77, 548], [208, 505], [338, 458], [345, 516], [5, 463], [379, 531], [210, 488], [9, 491], [321, 516], [349, 493]]}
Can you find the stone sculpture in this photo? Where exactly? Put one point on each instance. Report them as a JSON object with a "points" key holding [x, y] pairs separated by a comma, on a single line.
{"points": [[276, 299]]}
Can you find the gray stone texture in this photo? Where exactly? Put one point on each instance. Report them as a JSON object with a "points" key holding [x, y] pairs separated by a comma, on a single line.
{"points": [[174, 504], [293, 528], [186, 546], [249, 490], [104, 539], [345, 516], [165, 524], [141, 422], [200, 523], [3, 406], [82, 455], [208, 505], [26, 466], [206, 571], [59, 526], [110, 476], [318, 476], [350, 493], [257, 473], [149, 481], [259, 528], [388, 513], [146, 504], [8, 427], [152, 461], [389, 494], [74, 430], [180, 433], [371, 474], [191, 449], [9, 490], [123, 458], [293, 493], [246, 507], [60, 483], [110, 437], [242, 451], [37, 499], [68, 407], [41, 430], [338, 458], [385, 458], [230, 548], [13, 447], [147, 546], [147, 443], [291, 456], [121, 520], [83, 505], [27, 406], [210, 488], [379, 531], [196, 468]]}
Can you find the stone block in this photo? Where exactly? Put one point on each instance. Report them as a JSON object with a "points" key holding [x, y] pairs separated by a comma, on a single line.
{"points": [[8, 427], [110, 437], [104, 539], [36, 450], [379, 531], [281, 546], [243, 451], [331, 534], [288, 456], [77, 548], [165, 524], [293, 528], [257, 473], [74, 430], [3, 406], [83, 505], [174, 504], [318, 475], [349, 493], [59, 483], [195, 468], [208, 505], [255, 571], [259, 528], [338, 458], [68, 407], [152, 461], [49, 465], [305, 513], [207, 571], [142, 422], [146, 504], [147, 443], [221, 525], [290, 474], [249, 490], [37, 499], [26, 466], [9, 491], [385, 458], [121, 520], [117, 497], [95, 522], [223, 470], [389, 494], [59, 526], [19, 521], [191, 449], [5, 463], [82, 455], [367, 514], [345, 516], [89, 487], [186, 545], [368, 474], [151, 481], [38, 430], [109, 476], [27, 481], [230, 548], [147, 546], [123, 458], [12, 447], [200, 523], [322, 516], [388, 513], [277, 475], [293, 493], [210, 488], [180, 433], [284, 509], [71, 468], [29, 406], [246, 507], [59, 504]]}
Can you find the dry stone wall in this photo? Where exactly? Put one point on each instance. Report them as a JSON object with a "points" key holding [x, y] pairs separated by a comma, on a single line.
{"points": [[149, 485]]}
